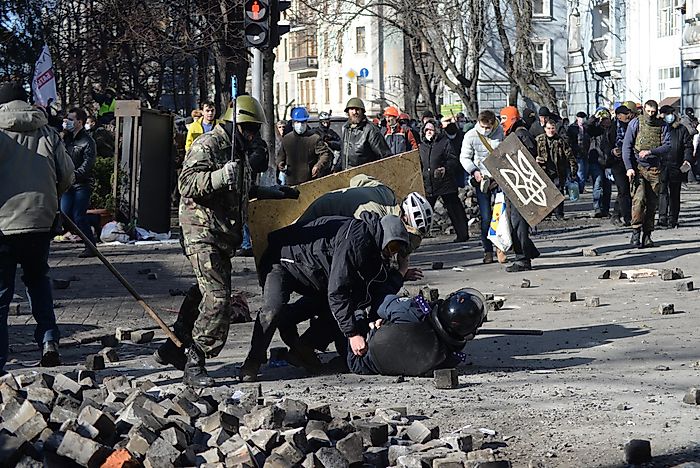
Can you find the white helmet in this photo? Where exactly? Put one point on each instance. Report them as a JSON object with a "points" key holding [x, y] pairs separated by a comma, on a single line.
{"points": [[419, 213]]}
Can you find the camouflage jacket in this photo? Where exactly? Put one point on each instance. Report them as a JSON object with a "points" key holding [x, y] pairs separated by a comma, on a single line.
{"points": [[554, 155], [211, 215]]}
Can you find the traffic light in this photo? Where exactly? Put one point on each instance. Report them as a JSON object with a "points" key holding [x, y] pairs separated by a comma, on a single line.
{"points": [[276, 29], [256, 23]]}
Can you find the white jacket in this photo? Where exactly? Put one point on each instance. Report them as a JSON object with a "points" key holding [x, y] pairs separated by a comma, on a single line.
{"points": [[473, 150]]}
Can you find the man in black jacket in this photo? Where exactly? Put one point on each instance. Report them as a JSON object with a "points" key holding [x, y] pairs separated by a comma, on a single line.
{"points": [[672, 168], [361, 142], [83, 151], [341, 259]]}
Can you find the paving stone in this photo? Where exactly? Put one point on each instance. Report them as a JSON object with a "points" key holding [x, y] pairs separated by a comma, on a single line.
{"points": [[685, 286], [60, 414], [117, 383], [60, 283], [175, 437], [525, 283], [122, 334], [142, 336], [373, 434], [40, 394], [421, 432], [448, 462], [218, 437], [590, 252], [459, 441], [266, 417], [160, 454], [185, 407], [666, 309], [110, 354], [82, 450], [20, 415], [96, 418], [330, 457], [617, 274], [213, 455], [317, 440], [314, 425], [32, 428], [339, 428], [569, 296], [219, 419], [351, 448], [445, 378], [592, 302], [678, 273], [409, 461], [637, 451], [265, 439], [376, 457], [437, 265], [692, 397], [109, 341], [233, 443], [484, 455], [296, 437], [294, 412], [63, 384], [487, 464], [320, 413], [140, 439], [396, 451], [431, 294], [152, 276], [340, 413], [95, 362], [289, 453], [666, 274], [604, 275], [277, 461]]}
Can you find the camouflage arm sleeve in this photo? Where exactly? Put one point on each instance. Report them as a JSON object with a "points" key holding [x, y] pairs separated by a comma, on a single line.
{"points": [[195, 180]]}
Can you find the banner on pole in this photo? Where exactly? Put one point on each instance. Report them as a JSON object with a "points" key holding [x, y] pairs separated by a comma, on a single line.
{"points": [[44, 81]]}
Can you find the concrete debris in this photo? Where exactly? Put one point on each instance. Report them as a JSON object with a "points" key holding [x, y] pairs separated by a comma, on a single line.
{"points": [[446, 378], [692, 397], [592, 302], [666, 309], [685, 286], [637, 452], [590, 253]]}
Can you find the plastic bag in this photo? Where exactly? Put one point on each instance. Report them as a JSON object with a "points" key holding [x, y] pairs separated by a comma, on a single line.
{"points": [[114, 232], [573, 190], [499, 229]]}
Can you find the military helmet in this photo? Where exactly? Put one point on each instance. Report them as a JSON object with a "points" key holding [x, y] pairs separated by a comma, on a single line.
{"points": [[458, 316], [631, 105], [248, 110], [323, 115], [355, 103]]}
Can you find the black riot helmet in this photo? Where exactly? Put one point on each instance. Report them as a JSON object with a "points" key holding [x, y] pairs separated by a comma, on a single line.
{"points": [[458, 316]]}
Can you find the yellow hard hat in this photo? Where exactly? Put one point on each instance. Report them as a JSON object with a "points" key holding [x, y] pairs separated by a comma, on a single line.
{"points": [[248, 110]]}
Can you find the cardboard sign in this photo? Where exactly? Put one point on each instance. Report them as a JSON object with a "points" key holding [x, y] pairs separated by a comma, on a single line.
{"points": [[527, 187], [402, 173]]}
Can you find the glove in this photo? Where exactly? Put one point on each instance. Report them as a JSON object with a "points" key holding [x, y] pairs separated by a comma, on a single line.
{"points": [[224, 177], [276, 192]]}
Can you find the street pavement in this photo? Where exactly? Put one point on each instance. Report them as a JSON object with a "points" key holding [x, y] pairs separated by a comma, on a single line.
{"points": [[596, 378]]}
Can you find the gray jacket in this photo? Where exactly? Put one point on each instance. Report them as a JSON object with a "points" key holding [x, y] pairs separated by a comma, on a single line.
{"points": [[34, 170], [474, 152]]}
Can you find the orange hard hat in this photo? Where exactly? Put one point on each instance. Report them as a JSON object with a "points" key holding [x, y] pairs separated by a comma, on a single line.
{"points": [[391, 111], [509, 115], [404, 116]]}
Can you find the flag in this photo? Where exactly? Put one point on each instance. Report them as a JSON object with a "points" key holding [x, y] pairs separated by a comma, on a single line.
{"points": [[44, 81]]}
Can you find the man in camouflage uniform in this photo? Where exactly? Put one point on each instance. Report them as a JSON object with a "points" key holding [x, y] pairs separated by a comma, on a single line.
{"points": [[215, 191], [647, 140]]}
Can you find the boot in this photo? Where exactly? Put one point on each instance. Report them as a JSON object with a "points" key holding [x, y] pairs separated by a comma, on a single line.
{"points": [[519, 266], [635, 239], [169, 353], [488, 257], [195, 373], [304, 356], [646, 241], [249, 371], [49, 355], [87, 253]]}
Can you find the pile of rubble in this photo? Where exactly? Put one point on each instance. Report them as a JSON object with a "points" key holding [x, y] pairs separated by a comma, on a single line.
{"points": [[64, 420], [441, 221]]}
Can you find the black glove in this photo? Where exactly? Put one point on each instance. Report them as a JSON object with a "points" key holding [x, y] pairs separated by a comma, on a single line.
{"points": [[276, 192]]}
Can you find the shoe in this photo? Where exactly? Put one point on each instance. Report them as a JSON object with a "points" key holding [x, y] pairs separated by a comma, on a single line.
{"points": [[87, 253], [303, 356], [195, 373], [337, 365], [502, 256], [616, 221], [646, 241], [249, 371], [170, 353], [245, 252], [488, 257], [460, 239], [519, 266], [599, 214], [673, 224], [635, 239], [627, 223], [662, 223], [49, 355]]}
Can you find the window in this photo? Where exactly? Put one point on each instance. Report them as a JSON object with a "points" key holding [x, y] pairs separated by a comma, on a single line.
{"points": [[542, 8], [326, 45], [326, 91], [669, 73], [360, 39], [541, 56], [668, 17]]}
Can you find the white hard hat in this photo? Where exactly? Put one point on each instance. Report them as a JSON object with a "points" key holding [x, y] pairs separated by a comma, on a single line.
{"points": [[419, 213]]}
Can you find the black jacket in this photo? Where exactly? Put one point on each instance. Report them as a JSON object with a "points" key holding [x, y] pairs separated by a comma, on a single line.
{"points": [[525, 137], [362, 144], [329, 136], [681, 150], [434, 154], [337, 256], [82, 150]]}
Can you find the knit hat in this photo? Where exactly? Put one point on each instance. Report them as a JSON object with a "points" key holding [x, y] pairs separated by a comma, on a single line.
{"points": [[544, 112], [581, 114]]}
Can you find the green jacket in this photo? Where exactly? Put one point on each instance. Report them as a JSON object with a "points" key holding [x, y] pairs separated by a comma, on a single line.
{"points": [[553, 155], [34, 170]]}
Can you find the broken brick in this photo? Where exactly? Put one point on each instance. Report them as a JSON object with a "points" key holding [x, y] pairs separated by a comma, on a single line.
{"points": [[95, 362], [82, 450], [445, 378], [592, 302], [421, 432], [373, 434]]}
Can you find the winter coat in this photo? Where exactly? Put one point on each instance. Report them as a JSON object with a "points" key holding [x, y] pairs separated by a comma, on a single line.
{"points": [[361, 144], [83, 151], [194, 131], [580, 144], [300, 154], [629, 153], [555, 157], [399, 140], [329, 136], [474, 151], [602, 143], [335, 256], [34, 170], [681, 150], [433, 155]]}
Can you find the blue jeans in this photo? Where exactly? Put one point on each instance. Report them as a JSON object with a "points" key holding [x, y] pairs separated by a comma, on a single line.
{"points": [[602, 188], [486, 211], [32, 252], [74, 204], [246, 244], [583, 170]]}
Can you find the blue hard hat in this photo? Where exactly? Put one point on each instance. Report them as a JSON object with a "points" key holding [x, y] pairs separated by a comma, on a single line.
{"points": [[300, 114]]}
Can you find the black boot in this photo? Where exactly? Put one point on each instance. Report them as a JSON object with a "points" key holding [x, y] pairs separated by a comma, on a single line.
{"points": [[304, 356], [195, 373], [646, 241], [519, 266], [49, 355], [635, 239], [249, 371], [170, 353]]}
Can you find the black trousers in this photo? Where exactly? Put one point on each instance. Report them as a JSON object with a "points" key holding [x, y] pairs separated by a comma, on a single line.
{"points": [[669, 196], [455, 210], [525, 250], [623, 202], [323, 329]]}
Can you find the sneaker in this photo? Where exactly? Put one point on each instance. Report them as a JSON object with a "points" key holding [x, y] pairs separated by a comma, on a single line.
{"points": [[458, 240], [646, 241], [635, 239], [87, 253], [49, 355], [249, 372], [488, 257], [519, 266]]}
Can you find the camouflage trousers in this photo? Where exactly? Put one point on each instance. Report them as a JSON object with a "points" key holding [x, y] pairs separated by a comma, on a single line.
{"points": [[645, 197]]}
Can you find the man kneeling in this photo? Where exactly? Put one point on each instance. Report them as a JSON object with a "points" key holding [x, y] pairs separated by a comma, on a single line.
{"points": [[413, 338]]}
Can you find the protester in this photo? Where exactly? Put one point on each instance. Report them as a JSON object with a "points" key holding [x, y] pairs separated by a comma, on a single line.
{"points": [[478, 144], [361, 142], [537, 126], [673, 164], [601, 144], [303, 154], [556, 159], [647, 141], [202, 125], [440, 164], [34, 171], [622, 212], [398, 139], [104, 139], [107, 102], [327, 134], [580, 142], [83, 151]]}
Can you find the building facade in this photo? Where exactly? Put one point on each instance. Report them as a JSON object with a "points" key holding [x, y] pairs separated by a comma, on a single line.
{"points": [[690, 55]]}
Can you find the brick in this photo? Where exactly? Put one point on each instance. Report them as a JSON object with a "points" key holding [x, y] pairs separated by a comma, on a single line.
{"points": [[219, 419], [330, 457], [592, 302], [120, 458], [637, 452], [63, 384], [459, 441], [685, 286], [446, 378], [525, 283], [437, 265], [421, 432], [95, 362], [590, 253], [320, 413], [289, 453], [267, 417], [140, 439], [317, 440], [83, 451], [339, 428], [265, 439], [377, 457], [122, 334], [569, 296], [109, 341], [294, 412], [692, 397], [396, 451], [110, 355], [373, 434], [185, 407], [666, 309], [160, 454], [351, 448], [32, 428], [12, 448], [101, 421], [142, 336], [175, 437]]}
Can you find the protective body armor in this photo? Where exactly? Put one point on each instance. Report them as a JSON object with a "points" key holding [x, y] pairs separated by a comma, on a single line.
{"points": [[649, 136]]}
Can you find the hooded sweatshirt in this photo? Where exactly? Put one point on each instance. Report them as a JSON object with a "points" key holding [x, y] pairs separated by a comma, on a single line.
{"points": [[34, 170], [474, 151]]}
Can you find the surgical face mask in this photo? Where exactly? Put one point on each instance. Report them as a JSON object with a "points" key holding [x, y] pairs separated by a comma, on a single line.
{"points": [[299, 127], [670, 118], [68, 125], [88, 126], [429, 135]]}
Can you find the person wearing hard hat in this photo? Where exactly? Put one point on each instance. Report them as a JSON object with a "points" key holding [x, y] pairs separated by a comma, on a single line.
{"points": [[398, 139], [361, 142], [216, 184], [303, 155]]}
